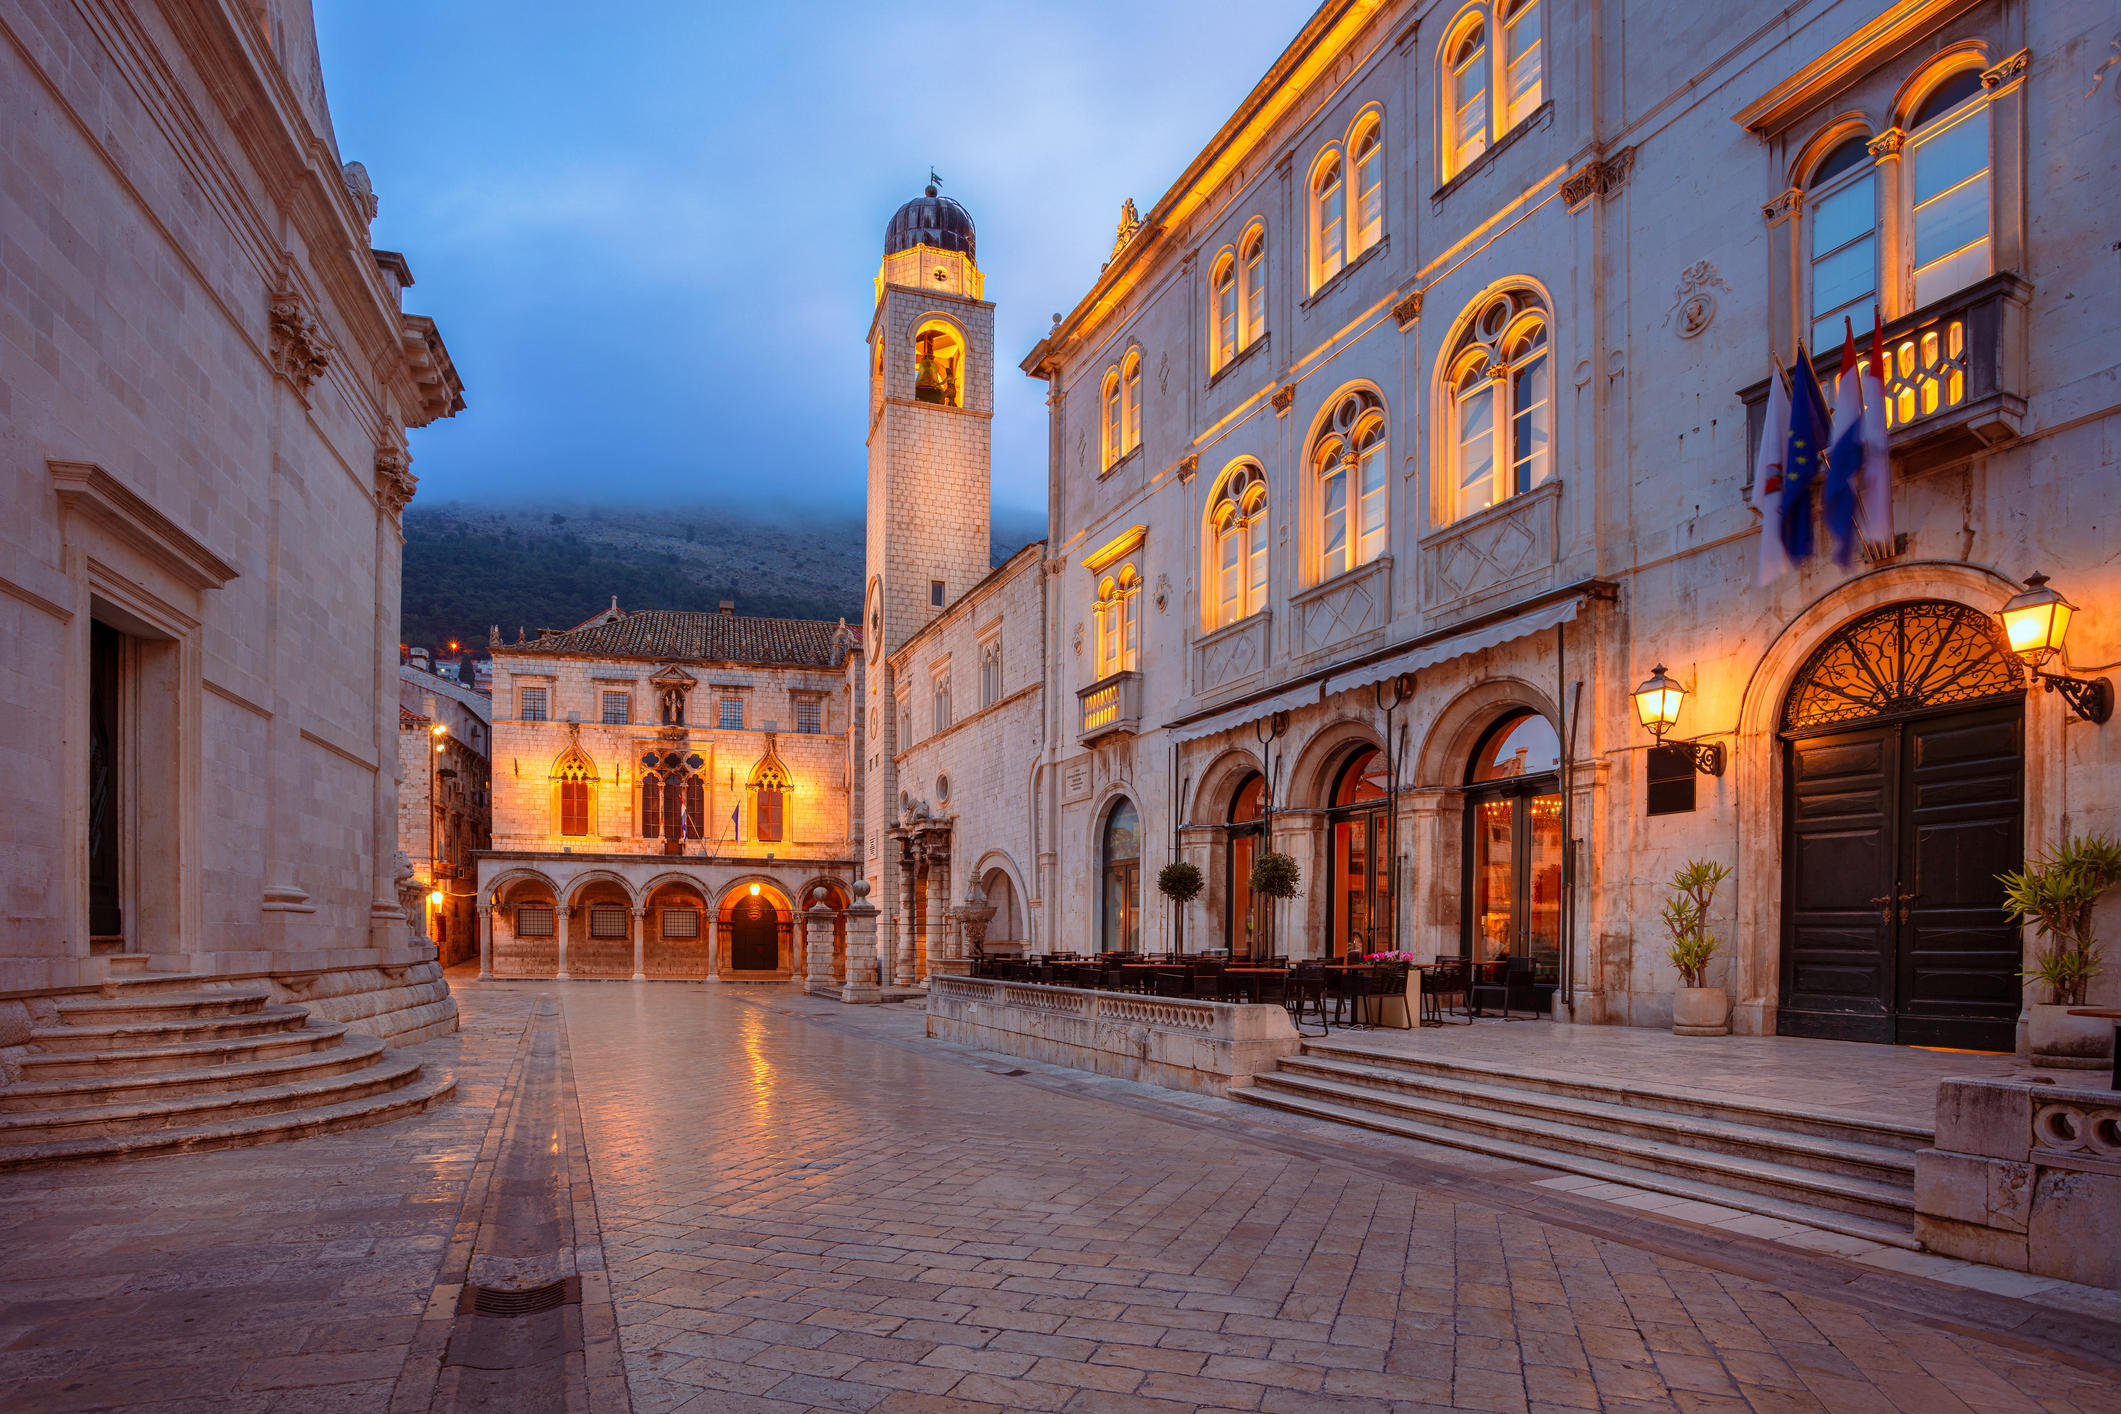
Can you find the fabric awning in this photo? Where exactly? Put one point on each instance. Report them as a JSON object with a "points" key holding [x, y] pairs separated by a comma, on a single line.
{"points": [[1412, 660]]}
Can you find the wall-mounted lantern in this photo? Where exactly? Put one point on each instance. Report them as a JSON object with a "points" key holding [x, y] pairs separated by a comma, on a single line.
{"points": [[2036, 622], [1657, 704]]}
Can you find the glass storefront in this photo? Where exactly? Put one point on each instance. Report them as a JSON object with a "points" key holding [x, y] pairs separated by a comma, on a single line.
{"points": [[1514, 846], [1246, 919], [1359, 898], [1123, 878]]}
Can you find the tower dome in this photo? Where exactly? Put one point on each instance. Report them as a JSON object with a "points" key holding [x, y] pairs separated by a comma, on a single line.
{"points": [[933, 221]]}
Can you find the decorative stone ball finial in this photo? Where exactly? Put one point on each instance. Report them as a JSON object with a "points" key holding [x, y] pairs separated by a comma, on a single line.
{"points": [[861, 890]]}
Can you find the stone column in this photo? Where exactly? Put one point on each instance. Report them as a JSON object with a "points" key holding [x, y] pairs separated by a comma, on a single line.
{"points": [[939, 949], [640, 936], [904, 976], [817, 943], [485, 942], [861, 949], [565, 913], [714, 948]]}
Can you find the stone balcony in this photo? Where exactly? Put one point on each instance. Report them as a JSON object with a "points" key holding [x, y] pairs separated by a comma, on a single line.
{"points": [[1110, 705]]}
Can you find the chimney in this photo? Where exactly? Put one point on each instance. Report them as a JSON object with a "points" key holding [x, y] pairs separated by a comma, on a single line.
{"points": [[729, 606], [423, 659]]}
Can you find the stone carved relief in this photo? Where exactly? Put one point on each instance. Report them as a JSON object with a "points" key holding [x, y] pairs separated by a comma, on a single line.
{"points": [[1598, 178], [1694, 299], [1078, 639], [1494, 549], [395, 483], [1283, 396], [361, 189], [2009, 69], [1163, 375], [1342, 608], [300, 353], [1231, 656], [1163, 592], [412, 897], [1409, 309]]}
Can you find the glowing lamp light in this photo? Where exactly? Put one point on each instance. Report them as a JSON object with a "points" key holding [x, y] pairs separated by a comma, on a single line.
{"points": [[1657, 702], [2036, 621], [754, 890], [435, 898]]}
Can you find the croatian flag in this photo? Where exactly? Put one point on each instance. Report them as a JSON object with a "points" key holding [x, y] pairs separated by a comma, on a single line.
{"points": [[1804, 459], [1877, 498], [1774, 436], [1844, 461]]}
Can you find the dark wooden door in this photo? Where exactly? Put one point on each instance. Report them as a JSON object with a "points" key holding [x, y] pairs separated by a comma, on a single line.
{"points": [[754, 937], [1893, 929]]}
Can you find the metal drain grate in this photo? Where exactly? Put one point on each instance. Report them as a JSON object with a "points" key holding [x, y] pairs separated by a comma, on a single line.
{"points": [[529, 1301]]}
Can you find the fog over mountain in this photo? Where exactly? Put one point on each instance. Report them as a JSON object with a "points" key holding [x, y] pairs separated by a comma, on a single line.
{"points": [[525, 567]]}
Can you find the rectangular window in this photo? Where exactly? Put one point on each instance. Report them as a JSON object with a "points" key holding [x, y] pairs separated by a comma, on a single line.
{"points": [[574, 807], [1333, 525], [1844, 260], [1476, 449], [681, 923], [1370, 467], [935, 594], [530, 704], [607, 922], [809, 717], [534, 922], [1951, 208], [1529, 419], [1332, 213], [769, 816], [616, 705], [732, 714]]}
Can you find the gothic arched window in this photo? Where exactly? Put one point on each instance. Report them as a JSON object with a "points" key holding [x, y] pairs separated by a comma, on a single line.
{"points": [[673, 797], [1501, 404], [1238, 525], [575, 777], [770, 785], [1348, 463]]}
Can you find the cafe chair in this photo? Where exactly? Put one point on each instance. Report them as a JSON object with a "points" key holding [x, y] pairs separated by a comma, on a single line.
{"points": [[1508, 984], [1443, 991], [1306, 994]]}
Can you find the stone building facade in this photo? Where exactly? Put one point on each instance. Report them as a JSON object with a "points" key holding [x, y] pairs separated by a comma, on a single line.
{"points": [[671, 798], [207, 377], [445, 801], [1416, 424]]}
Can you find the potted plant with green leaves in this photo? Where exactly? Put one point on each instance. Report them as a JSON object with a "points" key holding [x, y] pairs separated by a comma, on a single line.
{"points": [[1277, 876], [1697, 1008], [2056, 894], [1180, 882]]}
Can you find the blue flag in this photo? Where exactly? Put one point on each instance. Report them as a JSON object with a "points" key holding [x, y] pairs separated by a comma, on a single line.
{"points": [[1804, 460], [1844, 461]]}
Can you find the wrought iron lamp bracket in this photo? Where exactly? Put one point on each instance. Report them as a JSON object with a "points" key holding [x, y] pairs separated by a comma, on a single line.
{"points": [[2090, 698], [1707, 757]]}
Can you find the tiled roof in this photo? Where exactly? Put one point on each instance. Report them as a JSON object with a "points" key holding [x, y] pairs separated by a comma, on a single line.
{"points": [[410, 719], [723, 638]]}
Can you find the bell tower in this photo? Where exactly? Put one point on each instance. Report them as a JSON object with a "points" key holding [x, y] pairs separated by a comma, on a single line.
{"points": [[931, 403]]}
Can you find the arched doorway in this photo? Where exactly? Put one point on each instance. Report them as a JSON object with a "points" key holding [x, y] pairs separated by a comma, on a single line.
{"points": [[1513, 846], [754, 935], [1359, 891], [1245, 919], [1903, 799], [1122, 854]]}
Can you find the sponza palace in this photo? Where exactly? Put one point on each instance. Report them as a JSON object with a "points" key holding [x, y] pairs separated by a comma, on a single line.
{"points": [[1398, 442]]}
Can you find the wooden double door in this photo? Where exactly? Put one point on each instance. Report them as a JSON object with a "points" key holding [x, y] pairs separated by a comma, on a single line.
{"points": [[1893, 922]]}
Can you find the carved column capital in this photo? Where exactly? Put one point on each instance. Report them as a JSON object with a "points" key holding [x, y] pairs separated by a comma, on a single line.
{"points": [[299, 351], [1409, 309], [2003, 73], [395, 483], [1783, 207], [1888, 143]]}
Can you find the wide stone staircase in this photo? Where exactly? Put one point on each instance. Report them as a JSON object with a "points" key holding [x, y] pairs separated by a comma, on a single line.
{"points": [[1825, 1170], [160, 1063]]}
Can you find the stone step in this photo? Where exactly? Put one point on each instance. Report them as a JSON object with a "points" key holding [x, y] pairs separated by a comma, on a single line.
{"points": [[382, 1071], [1880, 1202], [218, 1048], [1851, 1158], [1881, 1229], [353, 1051], [147, 1005], [172, 1030], [1641, 1095], [423, 1091]]}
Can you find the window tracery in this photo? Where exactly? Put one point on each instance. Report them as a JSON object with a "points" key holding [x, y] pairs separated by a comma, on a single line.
{"points": [[1501, 404], [1902, 658], [575, 775], [673, 797], [770, 787], [1238, 521], [1118, 616], [1348, 464]]}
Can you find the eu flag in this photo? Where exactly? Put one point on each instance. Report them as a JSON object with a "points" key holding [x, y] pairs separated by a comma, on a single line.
{"points": [[1804, 460]]}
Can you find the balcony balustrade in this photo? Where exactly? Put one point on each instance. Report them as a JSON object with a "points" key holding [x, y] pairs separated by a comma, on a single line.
{"points": [[1111, 704]]}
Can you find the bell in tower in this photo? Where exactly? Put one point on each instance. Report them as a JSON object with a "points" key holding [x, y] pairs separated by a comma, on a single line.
{"points": [[937, 355]]}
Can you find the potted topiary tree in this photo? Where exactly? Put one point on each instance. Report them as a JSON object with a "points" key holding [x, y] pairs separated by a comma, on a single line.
{"points": [[1277, 876], [1697, 1008], [2057, 894], [1180, 882]]}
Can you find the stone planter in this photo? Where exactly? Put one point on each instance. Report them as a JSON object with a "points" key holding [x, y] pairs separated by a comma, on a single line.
{"points": [[1700, 1011], [2060, 1041]]}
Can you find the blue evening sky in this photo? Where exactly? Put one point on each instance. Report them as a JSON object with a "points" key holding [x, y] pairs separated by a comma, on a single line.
{"points": [[648, 231]]}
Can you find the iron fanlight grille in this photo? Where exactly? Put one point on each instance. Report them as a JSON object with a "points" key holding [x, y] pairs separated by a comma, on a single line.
{"points": [[1901, 659]]}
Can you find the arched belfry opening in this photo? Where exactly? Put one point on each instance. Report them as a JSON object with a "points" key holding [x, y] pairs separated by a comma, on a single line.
{"points": [[938, 365], [1903, 739]]}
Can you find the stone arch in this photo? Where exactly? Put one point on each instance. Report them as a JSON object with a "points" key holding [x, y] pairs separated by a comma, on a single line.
{"points": [[490, 896], [576, 883], [1448, 745], [1309, 780], [1756, 765], [512, 954], [666, 951], [1932, 72], [999, 861]]}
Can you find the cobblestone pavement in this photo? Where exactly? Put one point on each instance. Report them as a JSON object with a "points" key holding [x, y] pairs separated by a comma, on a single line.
{"points": [[812, 1207], [807, 1207]]}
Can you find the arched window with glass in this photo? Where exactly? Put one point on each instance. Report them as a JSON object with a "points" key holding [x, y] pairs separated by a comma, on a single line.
{"points": [[1513, 847], [673, 797], [1947, 180], [1255, 278], [1359, 889], [1841, 205], [1329, 219], [1223, 297], [1368, 227], [1113, 420], [1349, 464], [1122, 858], [1131, 403], [1494, 77], [1246, 921], [1118, 615], [1501, 404], [1238, 526]]}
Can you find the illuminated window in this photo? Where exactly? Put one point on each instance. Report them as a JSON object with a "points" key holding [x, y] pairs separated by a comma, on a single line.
{"points": [[574, 799], [1522, 60], [1466, 134], [1131, 403], [1113, 419], [530, 704], [938, 365], [1238, 521], [1841, 211], [770, 786], [1118, 614], [1329, 211], [1369, 224], [1947, 176], [615, 708], [1255, 278], [1238, 298], [1349, 463], [1224, 296], [1512, 70], [1501, 404]]}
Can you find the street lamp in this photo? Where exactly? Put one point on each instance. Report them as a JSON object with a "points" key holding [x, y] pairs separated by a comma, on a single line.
{"points": [[2036, 621], [1657, 705]]}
